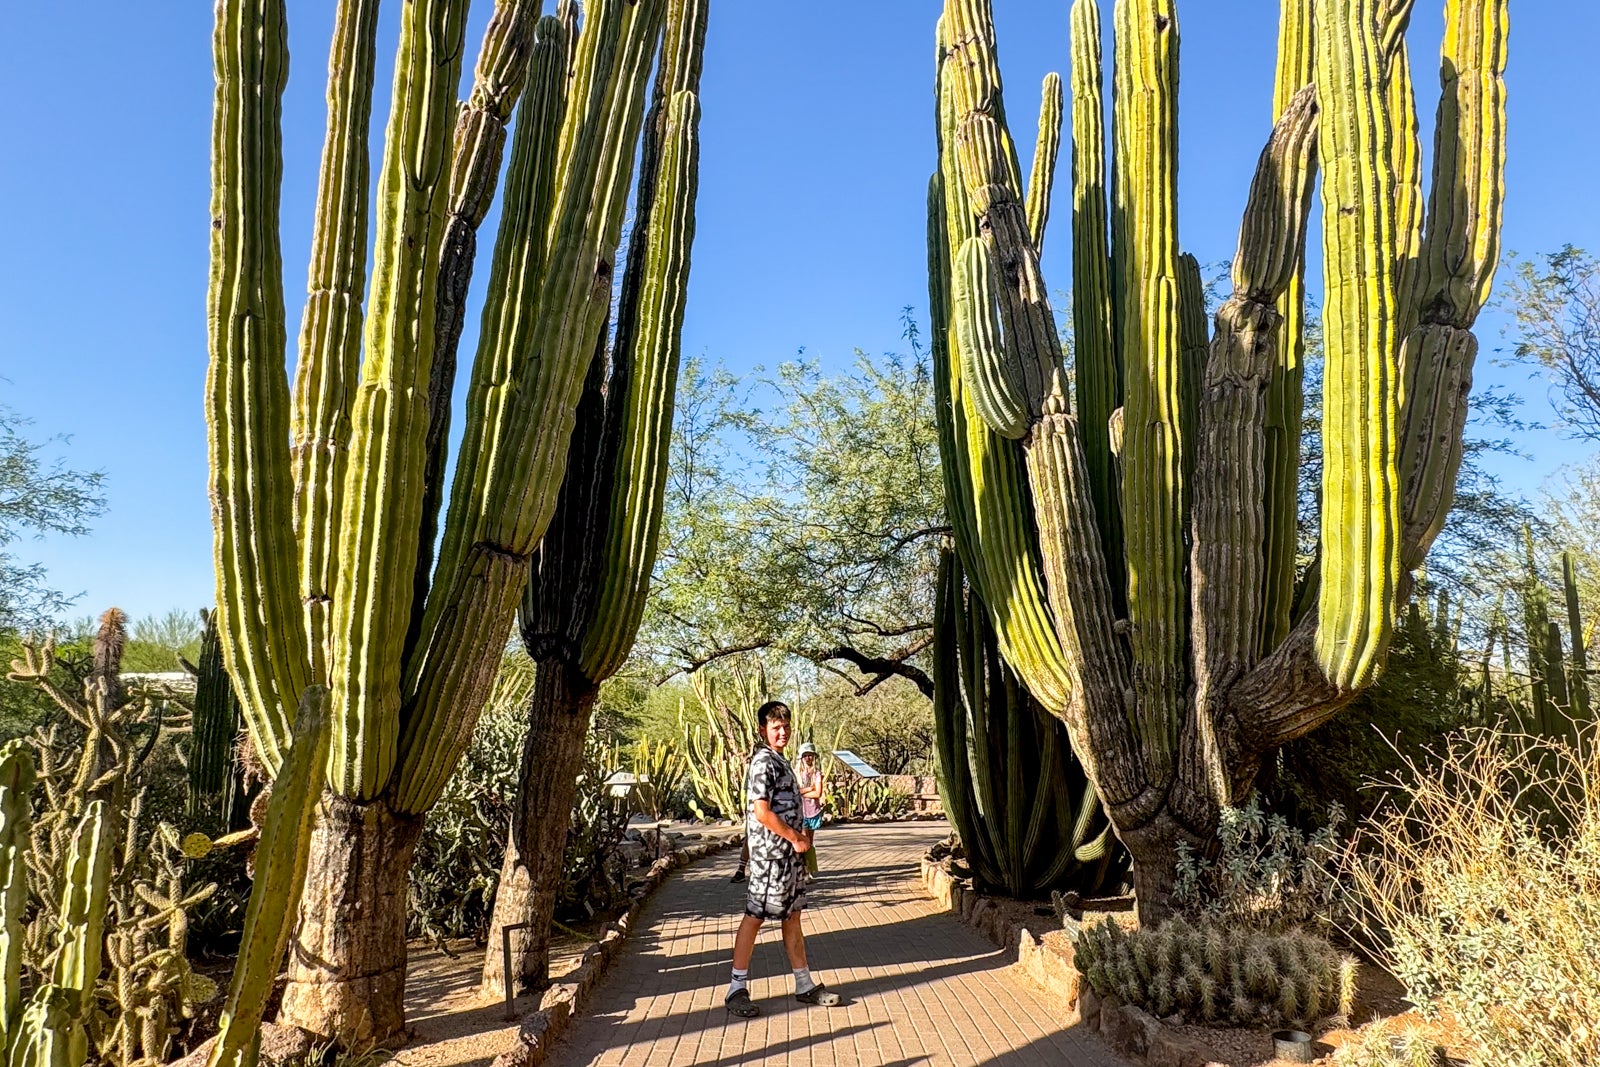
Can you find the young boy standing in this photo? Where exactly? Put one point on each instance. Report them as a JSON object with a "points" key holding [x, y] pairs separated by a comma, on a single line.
{"points": [[774, 830]]}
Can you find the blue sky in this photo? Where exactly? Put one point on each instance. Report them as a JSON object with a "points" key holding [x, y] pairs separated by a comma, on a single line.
{"points": [[816, 149]]}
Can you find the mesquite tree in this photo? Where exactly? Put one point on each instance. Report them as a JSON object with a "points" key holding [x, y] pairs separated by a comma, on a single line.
{"points": [[591, 572], [325, 496], [1136, 550]]}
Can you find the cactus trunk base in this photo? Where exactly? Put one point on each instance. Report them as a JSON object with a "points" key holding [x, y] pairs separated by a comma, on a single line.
{"points": [[1154, 848], [552, 758], [347, 963]]}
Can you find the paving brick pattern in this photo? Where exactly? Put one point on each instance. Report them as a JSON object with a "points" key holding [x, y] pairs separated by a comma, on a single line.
{"points": [[920, 987]]}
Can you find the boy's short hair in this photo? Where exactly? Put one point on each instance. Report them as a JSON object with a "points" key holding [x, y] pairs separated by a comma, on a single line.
{"points": [[772, 710]]}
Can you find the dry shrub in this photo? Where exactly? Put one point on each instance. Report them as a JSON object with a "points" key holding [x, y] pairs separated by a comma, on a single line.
{"points": [[1478, 886]]}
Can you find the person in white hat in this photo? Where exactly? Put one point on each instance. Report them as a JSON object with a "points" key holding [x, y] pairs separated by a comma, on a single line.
{"points": [[809, 773]]}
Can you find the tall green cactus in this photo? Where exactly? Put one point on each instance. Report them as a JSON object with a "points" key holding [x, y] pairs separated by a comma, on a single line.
{"points": [[1556, 702], [327, 494], [214, 728], [1025, 811], [1136, 557], [591, 571]]}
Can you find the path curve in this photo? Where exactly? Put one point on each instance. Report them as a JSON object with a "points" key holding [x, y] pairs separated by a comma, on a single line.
{"points": [[922, 987]]}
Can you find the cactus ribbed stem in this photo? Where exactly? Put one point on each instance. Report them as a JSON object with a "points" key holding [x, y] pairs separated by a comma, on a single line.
{"points": [[1097, 371], [1360, 498], [252, 488], [1144, 235], [1042, 177], [382, 502], [1230, 528], [1286, 388], [281, 857], [330, 329], [1578, 664], [17, 778]]}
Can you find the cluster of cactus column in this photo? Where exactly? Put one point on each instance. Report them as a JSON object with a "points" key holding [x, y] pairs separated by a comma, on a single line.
{"points": [[326, 494], [591, 571], [1557, 704], [1019, 801], [1133, 543]]}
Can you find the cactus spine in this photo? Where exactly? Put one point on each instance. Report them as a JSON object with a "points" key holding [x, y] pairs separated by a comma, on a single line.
{"points": [[1159, 516], [324, 548], [1018, 799], [589, 576]]}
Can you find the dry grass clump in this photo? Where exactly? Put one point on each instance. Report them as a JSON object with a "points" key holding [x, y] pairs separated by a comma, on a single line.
{"points": [[1478, 886], [1387, 1043]]}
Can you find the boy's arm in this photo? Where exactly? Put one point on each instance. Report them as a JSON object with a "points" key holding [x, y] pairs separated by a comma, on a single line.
{"points": [[768, 818]]}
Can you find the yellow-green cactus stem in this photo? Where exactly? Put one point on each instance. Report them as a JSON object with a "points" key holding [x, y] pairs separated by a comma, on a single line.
{"points": [[1042, 176], [1145, 245], [280, 875], [85, 889], [1360, 481], [17, 778]]}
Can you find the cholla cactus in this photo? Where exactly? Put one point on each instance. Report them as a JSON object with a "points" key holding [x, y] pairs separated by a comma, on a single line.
{"points": [[1218, 976], [105, 947]]}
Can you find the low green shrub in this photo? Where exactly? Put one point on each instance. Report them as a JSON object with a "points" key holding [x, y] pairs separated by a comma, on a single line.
{"points": [[1266, 875], [1211, 974], [868, 796]]}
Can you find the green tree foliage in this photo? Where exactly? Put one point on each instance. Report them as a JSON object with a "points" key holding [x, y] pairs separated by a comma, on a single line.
{"points": [[804, 513], [39, 495], [1554, 300]]}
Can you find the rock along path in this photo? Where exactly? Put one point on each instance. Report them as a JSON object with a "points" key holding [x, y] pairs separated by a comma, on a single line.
{"points": [[920, 987]]}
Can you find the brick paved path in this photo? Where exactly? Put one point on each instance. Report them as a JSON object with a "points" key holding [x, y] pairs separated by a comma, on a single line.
{"points": [[921, 987]]}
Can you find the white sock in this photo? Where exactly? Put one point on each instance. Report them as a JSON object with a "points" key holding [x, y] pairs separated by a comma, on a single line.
{"points": [[803, 982], [741, 981]]}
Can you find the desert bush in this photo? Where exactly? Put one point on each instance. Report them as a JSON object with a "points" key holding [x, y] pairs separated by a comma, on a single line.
{"points": [[1215, 974], [1478, 886], [660, 770], [457, 869], [1388, 1043], [868, 796], [1267, 874]]}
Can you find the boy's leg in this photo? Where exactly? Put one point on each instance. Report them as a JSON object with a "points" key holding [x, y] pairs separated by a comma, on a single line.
{"points": [[744, 944], [806, 989]]}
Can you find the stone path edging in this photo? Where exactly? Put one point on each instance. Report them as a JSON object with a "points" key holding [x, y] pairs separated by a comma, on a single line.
{"points": [[557, 1005]]}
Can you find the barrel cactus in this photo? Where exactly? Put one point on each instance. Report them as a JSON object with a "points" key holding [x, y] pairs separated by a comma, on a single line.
{"points": [[1133, 543], [326, 491]]}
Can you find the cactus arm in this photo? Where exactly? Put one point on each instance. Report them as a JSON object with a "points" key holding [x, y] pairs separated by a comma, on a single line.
{"points": [[987, 169], [1194, 344], [330, 329], [496, 520], [640, 482], [1360, 486], [1456, 268], [1229, 518], [1286, 389], [479, 143], [1402, 102], [1578, 665], [382, 496], [1042, 177], [988, 375], [1144, 108], [247, 391], [85, 895], [282, 856], [1097, 371], [17, 777], [982, 470], [213, 728]]}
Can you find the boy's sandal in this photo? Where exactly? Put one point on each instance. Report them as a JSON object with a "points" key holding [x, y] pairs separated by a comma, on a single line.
{"points": [[820, 995], [741, 1005]]}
